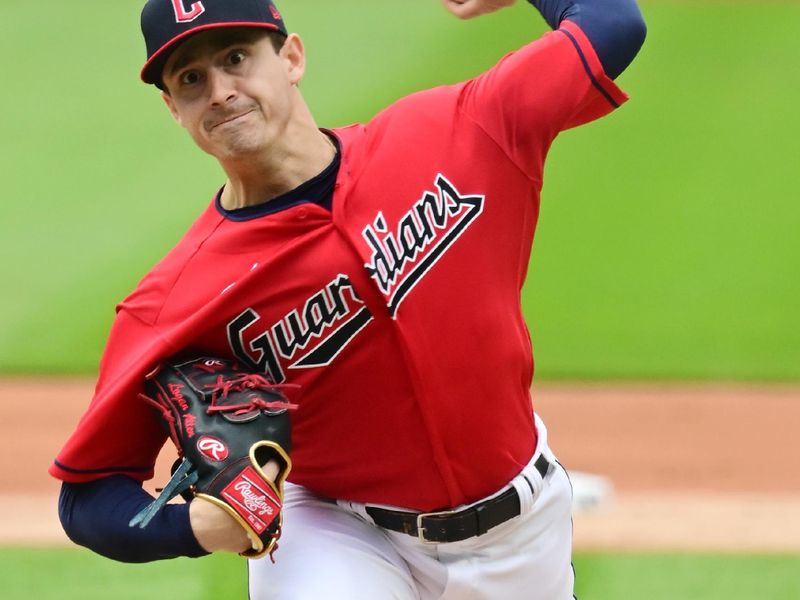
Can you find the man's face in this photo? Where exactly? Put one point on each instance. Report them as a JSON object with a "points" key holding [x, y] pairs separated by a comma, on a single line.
{"points": [[232, 91]]}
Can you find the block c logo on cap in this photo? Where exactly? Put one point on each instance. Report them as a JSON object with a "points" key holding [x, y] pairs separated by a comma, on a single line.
{"points": [[184, 16]]}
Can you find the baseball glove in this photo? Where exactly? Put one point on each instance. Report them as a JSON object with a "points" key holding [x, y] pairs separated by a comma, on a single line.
{"points": [[226, 424]]}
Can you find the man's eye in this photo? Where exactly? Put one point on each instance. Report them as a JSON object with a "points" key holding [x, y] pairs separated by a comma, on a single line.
{"points": [[236, 58], [190, 77]]}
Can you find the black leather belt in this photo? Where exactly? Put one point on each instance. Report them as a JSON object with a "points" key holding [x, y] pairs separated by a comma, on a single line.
{"points": [[454, 526]]}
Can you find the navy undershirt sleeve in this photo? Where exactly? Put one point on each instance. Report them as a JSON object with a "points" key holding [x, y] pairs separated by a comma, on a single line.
{"points": [[615, 28], [96, 515]]}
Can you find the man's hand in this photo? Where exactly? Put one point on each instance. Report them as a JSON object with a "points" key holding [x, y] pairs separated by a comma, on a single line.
{"points": [[467, 9], [215, 529]]}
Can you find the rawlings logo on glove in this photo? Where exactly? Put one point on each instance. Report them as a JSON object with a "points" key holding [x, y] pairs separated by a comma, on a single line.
{"points": [[226, 424]]}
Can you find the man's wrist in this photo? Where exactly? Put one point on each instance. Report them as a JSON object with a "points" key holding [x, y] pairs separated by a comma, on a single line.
{"points": [[215, 530]]}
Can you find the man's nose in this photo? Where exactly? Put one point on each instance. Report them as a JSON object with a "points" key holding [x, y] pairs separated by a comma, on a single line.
{"points": [[222, 89]]}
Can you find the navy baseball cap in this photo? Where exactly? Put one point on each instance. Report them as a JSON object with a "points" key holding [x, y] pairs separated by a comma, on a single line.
{"points": [[167, 23]]}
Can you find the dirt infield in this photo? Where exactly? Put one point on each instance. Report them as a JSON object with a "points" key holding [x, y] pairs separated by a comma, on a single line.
{"points": [[692, 467]]}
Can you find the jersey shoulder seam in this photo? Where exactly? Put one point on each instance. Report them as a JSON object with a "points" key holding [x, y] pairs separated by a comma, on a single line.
{"points": [[465, 114], [150, 324], [184, 264]]}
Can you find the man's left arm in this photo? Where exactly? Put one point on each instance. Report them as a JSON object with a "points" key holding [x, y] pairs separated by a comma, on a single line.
{"points": [[615, 28], [556, 82]]}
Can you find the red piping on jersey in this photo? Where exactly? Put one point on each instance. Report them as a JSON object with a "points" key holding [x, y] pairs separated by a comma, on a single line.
{"points": [[588, 69], [591, 63]]}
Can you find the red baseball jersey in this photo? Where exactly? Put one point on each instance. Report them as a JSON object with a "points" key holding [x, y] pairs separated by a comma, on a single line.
{"points": [[397, 313]]}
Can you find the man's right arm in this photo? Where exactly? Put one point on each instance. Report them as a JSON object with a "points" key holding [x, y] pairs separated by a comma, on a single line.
{"points": [[96, 515]]}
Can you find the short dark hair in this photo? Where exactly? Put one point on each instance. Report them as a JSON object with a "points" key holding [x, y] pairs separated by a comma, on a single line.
{"points": [[276, 38]]}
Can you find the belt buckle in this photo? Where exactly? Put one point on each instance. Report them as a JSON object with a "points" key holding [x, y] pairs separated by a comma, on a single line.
{"points": [[421, 529]]}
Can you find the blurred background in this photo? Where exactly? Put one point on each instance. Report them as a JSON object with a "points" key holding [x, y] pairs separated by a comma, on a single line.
{"points": [[667, 245], [667, 252]]}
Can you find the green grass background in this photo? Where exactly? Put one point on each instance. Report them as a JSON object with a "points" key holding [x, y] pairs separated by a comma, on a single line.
{"points": [[668, 243], [81, 575]]}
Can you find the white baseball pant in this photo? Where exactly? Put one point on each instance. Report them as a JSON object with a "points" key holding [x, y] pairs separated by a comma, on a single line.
{"points": [[333, 551]]}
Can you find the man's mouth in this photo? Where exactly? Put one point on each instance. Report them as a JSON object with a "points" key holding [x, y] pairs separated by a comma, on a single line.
{"points": [[231, 119]]}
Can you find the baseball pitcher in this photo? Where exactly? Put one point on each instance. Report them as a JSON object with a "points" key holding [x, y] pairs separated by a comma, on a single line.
{"points": [[335, 347]]}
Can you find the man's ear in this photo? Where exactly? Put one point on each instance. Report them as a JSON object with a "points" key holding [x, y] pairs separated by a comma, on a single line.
{"points": [[294, 54], [171, 106]]}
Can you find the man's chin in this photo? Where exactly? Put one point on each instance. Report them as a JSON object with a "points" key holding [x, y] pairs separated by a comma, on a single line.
{"points": [[240, 146]]}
